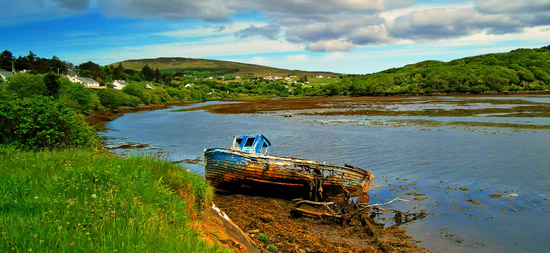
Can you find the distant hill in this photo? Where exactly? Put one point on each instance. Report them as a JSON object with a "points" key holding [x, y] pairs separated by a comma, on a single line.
{"points": [[516, 71], [175, 64]]}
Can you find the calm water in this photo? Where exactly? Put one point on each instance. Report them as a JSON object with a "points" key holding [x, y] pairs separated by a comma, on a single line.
{"points": [[448, 171]]}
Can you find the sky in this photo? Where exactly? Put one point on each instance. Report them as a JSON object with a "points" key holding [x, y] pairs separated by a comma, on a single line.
{"points": [[342, 36]]}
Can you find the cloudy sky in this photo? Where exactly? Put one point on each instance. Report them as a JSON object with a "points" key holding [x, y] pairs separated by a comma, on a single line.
{"points": [[346, 36]]}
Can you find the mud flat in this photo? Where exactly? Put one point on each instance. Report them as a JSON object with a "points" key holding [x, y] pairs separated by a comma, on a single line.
{"points": [[269, 224], [98, 119]]}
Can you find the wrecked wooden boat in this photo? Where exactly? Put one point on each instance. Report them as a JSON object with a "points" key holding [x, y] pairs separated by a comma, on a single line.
{"points": [[248, 164]]}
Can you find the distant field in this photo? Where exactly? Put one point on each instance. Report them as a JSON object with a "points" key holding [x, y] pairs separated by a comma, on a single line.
{"points": [[173, 65]]}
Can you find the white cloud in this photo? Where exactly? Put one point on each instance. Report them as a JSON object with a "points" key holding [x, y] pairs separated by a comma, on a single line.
{"points": [[199, 49], [330, 45], [207, 30]]}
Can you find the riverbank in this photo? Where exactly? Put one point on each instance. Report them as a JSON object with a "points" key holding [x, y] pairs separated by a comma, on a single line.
{"points": [[269, 223], [271, 217], [98, 119], [89, 200]]}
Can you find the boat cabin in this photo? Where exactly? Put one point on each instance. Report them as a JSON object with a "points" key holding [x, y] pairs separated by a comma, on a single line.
{"points": [[256, 144]]}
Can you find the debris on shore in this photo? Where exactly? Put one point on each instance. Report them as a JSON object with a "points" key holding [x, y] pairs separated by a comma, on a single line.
{"points": [[273, 227]]}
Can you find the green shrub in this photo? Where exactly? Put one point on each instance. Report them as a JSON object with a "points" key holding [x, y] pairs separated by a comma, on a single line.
{"points": [[272, 248], [479, 89], [112, 98], [77, 96], [263, 238], [134, 89], [27, 85], [41, 122]]}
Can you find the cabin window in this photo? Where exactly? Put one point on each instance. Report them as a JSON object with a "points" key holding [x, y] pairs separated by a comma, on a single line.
{"points": [[264, 148], [249, 142], [239, 140]]}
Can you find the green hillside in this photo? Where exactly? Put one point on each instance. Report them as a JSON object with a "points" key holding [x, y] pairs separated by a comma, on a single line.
{"points": [[175, 64], [516, 71]]}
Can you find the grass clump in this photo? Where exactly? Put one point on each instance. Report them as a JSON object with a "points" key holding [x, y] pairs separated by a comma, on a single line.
{"points": [[263, 238], [84, 200]]}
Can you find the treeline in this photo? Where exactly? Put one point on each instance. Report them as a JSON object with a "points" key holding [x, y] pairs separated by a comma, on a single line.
{"points": [[518, 70], [107, 74], [32, 63]]}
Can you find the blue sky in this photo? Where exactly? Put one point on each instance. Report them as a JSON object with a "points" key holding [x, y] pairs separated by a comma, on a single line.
{"points": [[345, 36]]}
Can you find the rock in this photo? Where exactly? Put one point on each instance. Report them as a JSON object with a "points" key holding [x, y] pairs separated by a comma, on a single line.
{"points": [[255, 231], [267, 218]]}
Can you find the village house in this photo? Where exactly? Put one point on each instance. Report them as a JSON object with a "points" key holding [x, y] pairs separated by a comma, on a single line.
{"points": [[119, 84], [73, 79], [5, 75], [88, 82]]}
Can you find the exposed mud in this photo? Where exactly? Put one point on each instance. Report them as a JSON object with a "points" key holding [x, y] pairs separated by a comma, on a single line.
{"points": [[269, 223], [385, 106], [98, 119]]}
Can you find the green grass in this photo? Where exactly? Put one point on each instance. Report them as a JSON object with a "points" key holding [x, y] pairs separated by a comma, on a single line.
{"points": [[83, 200]]}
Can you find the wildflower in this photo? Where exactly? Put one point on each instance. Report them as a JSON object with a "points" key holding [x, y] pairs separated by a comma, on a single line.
{"points": [[94, 196]]}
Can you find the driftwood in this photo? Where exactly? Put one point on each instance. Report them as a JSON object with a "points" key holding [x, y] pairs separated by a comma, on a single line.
{"points": [[348, 213]]}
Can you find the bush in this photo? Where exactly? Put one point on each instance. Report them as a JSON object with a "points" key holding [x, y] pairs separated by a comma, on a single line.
{"points": [[27, 85], [479, 89], [263, 238], [112, 98], [77, 96], [134, 89], [40, 122]]}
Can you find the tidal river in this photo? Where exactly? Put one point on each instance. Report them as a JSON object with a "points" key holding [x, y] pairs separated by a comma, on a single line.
{"points": [[483, 178]]}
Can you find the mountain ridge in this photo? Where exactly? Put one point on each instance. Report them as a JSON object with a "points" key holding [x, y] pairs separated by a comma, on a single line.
{"points": [[175, 64]]}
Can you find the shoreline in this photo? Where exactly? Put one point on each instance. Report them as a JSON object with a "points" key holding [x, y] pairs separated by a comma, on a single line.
{"points": [[285, 232], [98, 119]]}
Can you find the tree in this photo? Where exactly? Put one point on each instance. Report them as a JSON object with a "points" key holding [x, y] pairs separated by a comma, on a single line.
{"points": [[148, 73], [6, 60], [52, 83], [77, 96], [118, 72], [27, 85]]}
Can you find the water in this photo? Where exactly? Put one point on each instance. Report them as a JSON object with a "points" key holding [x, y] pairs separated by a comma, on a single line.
{"points": [[486, 190]]}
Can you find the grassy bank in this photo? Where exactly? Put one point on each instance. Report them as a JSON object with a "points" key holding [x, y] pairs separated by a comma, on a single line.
{"points": [[85, 200]]}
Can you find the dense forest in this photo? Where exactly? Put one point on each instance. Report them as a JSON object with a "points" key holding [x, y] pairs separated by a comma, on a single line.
{"points": [[519, 70]]}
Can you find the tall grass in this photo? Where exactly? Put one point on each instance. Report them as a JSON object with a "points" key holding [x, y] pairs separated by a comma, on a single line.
{"points": [[82, 200]]}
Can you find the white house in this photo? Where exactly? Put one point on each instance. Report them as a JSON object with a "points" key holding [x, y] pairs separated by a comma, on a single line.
{"points": [[88, 82], [149, 86], [119, 84], [73, 79], [5, 74], [189, 85]]}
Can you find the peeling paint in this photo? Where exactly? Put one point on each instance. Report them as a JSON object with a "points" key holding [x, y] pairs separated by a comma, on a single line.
{"points": [[249, 165]]}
